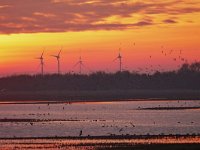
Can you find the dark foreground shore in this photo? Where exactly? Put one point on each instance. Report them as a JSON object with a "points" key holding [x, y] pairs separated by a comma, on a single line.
{"points": [[107, 143], [100, 95]]}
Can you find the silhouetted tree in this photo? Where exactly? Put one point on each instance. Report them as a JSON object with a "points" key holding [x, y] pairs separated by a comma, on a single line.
{"points": [[187, 77]]}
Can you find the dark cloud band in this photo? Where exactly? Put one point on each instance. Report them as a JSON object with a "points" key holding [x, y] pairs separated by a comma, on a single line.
{"points": [[32, 16]]}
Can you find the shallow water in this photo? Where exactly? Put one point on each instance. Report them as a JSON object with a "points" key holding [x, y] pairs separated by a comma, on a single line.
{"points": [[99, 119]]}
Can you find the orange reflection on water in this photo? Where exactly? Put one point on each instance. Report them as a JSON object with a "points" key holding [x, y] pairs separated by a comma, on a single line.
{"points": [[92, 143]]}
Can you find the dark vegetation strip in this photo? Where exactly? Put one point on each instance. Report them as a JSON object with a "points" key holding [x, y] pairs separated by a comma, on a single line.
{"points": [[37, 120], [183, 83], [150, 147], [105, 137], [187, 77], [169, 108], [104, 146], [109, 95]]}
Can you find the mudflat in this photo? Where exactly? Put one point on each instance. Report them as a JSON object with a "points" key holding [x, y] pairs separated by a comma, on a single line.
{"points": [[101, 143]]}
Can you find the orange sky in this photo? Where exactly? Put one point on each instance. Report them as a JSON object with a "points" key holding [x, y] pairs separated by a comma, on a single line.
{"points": [[95, 29]]}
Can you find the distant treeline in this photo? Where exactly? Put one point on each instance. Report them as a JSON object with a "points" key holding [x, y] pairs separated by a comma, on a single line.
{"points": [[187, 77]]}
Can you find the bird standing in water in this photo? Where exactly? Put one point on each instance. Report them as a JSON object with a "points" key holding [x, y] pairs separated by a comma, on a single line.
{"points": [[81, 132]]}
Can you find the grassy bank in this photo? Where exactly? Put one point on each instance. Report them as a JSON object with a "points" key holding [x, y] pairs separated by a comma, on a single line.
{"points": [[108, 95]]}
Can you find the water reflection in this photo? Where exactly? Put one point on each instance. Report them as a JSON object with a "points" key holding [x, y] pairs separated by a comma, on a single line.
{"points": [[100, 119]]}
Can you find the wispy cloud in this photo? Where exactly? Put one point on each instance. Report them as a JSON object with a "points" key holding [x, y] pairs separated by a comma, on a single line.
{"points": [[169, 21], [28, 16]]}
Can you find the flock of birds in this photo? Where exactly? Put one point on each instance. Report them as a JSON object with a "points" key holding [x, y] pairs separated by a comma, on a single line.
{"points": [[172, 56], [121, 129]]}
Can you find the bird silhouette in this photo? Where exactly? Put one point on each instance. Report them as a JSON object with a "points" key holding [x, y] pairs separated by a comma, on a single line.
{"points": [[120, 130], [132, 124], [81, 132]]}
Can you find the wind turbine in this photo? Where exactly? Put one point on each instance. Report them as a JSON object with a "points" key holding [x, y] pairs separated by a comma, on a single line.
{"points": [[120, 60], [58, 59], [80, 63], [41, 58]]}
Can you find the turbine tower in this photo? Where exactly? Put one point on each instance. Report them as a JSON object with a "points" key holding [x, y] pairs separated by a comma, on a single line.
{"points": [[58, 59], [119, 57], [80, 63], [41, 58]]}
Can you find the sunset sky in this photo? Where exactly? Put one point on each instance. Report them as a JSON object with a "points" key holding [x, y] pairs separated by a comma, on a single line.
{"points": [[157, 34]]}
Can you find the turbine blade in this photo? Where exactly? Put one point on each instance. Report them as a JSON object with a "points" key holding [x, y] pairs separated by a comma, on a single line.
{"points": [[59, 52], [115, 59], [42, 54], [54, 56], [76, 64], [83, 64]]}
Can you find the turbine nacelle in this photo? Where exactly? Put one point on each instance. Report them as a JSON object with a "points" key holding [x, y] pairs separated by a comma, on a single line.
{"points": [[41, 58], [119, 57], [80, 63], [57, 56], [80, 60]]}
